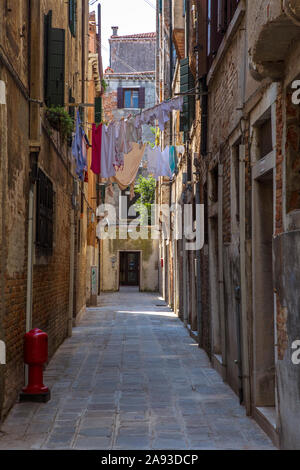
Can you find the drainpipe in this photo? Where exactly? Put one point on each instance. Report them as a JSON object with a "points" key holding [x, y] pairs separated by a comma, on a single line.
{"points": [[3, 258], [245, 359], [187, 25], [72, 264], [184, 267], [244, 319], [198, 258], [239, 347], [221, 265], [29, 259]]}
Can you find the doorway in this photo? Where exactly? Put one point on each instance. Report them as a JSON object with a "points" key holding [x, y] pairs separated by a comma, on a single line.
{"points": [[263, 298], [129, 268]]}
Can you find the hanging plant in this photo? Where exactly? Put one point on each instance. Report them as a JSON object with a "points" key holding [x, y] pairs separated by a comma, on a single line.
{"points": [[60, 120], [104, 85]]}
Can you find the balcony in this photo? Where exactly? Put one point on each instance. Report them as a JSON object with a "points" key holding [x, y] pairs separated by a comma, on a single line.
{"points": [[274, 25]]}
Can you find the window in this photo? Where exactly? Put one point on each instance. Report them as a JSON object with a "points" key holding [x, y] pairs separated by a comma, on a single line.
{"points": [[44, 214], [72, 16], [265, 138], [54, 64], [187, 84], [220, 13], [131, 98]]}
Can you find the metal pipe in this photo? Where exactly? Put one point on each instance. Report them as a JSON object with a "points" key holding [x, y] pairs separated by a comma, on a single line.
{"points": [[221, 265], [3, 257], [72, 264], [244, 319], [187, 27], [184, 267], [239, 347], [29, 260], [199, 290]]}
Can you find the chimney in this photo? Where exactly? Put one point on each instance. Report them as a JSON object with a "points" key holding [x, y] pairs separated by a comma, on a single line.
{"points": [[115, 30]]}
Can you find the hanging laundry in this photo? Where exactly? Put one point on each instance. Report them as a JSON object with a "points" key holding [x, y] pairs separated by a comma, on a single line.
{"points": [[152, 155], [108, 150], [79, 149], [120, 131], [180, 149], [96, 149], [173, 159], [132, 161], [160, 112], [133, 133], [163, 164]]}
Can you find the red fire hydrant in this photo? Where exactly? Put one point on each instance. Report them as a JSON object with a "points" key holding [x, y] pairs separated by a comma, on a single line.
{"points": [[35, 355]]}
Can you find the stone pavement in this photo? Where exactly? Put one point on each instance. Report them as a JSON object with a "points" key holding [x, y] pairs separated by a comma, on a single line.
{"points": [[132, 378]]}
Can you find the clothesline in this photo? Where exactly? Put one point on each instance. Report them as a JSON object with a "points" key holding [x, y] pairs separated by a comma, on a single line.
{"points": [[117, 148]]}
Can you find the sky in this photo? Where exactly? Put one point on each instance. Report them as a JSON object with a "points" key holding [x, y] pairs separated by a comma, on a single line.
{"points": [[132, 17]]}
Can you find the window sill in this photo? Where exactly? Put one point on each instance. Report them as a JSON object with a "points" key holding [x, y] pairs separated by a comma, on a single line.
{"points": [[236, 21]]}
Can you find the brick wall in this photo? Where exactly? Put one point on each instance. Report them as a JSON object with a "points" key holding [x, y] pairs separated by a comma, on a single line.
{"points": [[50, 274]]}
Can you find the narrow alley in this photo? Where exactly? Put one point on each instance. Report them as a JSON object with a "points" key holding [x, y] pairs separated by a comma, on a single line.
{"points": [[131, 377]]}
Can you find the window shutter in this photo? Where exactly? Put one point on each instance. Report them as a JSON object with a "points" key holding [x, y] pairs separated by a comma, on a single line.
{"points": [[98, 110], [215, 36], [187, 83], [141, 97], [54, 65], [72, 16], [120, 98], [202, 37], [184, 66]]}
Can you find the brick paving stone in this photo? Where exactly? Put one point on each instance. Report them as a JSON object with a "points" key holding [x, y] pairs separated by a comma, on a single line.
{"points": [[132, 380]]}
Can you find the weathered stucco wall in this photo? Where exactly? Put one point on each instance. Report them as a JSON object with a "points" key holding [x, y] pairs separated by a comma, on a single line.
{"points": [[138, 53], [110, 263], [286, 251]]}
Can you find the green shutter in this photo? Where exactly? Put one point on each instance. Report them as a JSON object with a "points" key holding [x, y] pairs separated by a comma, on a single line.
{"points": [[98, 110], [54, 64], [187, 84], [72, 16]]}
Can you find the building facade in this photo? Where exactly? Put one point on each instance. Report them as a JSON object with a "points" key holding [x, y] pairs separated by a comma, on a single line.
{"points": [[238, 295], [130, 87], [43, 210]]}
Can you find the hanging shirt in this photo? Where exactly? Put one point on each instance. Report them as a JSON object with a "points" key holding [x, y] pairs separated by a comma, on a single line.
{"points": [[152, 155], [79, 149], [120, 143], [163, 164], [133, 133], [96, 149], [108, 149]]}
